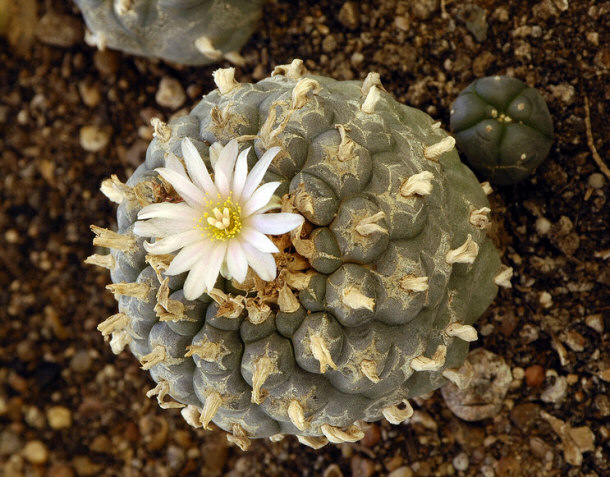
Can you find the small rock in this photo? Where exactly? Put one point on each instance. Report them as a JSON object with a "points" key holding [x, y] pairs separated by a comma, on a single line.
{"points": [[526, 416], [10, 443], [101, 444], [80, 362], [60, 470], [482, 62], [106, 61], [90, 94], [59, 30], [557, 391], [461, 462], [534, 375], [93, 138], [423, 9], [176, 457], [402, 472], [59, 417], [349, 15], [333, 470], [371, 436], [602, 403], [362, 467], [35, 452], [84, 467], [597, 180], [170, 93], [34, 417], [475, 19], [564, 92], [154, 431], [214, 453], [575, 441], [483, 397]]}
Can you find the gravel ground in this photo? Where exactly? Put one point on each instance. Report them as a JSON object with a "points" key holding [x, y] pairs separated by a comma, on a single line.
{"points": [[70, 116]]}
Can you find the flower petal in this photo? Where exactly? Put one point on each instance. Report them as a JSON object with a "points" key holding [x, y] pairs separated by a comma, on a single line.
{"points": [[194, 285], [240, 174], [197, 170], [168, 210], [275, 224], [258, 240], [173, 242], [223, 169], [258, 172], [237, 262], [163, 227], [262, 263], [214, 262], [260, 198], [185, 188], [188, 257], [172, 162]]}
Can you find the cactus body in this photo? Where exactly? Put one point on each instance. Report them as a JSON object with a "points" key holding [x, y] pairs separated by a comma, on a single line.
{"points": [[503, 127], [375, 295], [193, 32]]}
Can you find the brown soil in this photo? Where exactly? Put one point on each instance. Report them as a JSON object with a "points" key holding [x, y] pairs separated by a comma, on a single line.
{"points": [[551, 328]]}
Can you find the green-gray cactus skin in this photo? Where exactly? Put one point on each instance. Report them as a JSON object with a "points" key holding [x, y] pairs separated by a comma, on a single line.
{"points": [[192, 32], [503, 127], [389, 272]]}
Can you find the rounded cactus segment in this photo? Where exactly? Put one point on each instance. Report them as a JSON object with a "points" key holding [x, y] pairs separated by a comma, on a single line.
{"points": [[503, 127], [193, 32], [373, 292]]}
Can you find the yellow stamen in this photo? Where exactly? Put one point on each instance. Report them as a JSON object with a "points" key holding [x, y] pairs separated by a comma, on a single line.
{"points": [[222, 221]]}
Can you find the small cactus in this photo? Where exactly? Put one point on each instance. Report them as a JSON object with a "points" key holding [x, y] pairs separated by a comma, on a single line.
{"points": [[370, 298], [503, 127], [192, 32]]}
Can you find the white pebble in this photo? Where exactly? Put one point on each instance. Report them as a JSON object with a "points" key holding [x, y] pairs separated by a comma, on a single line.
{"points": [[461, 462], [93, 138], [543, 225], [170, 93], [597, 180]]}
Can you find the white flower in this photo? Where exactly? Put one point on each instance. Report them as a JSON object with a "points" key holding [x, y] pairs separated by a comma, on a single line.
{"points": [[222, 224]]}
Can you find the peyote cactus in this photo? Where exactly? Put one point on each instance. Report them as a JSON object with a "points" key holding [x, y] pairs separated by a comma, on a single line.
{"points": [[367, 301], [503, 127], [193, 32]]}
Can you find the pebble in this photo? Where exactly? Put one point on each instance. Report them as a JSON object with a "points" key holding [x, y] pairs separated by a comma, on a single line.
{"points": [[333, 470], [371, 436], [34, 417], [59, 30], [35, 452], [170, 93], [362, 467], [176, 457], [349, 15], [402, 472], [85, 467], [475, 19], [101, 444], [483, 397], [461, 462], [423, 9], [534, 375], [215, 452], [154, 431], [59, 417], [90, 94], [60, 470], [543, 225], [106, 61], [10, 443], [597, 180], [557, 391], [93, 138], [80, 362], [602, 404]]}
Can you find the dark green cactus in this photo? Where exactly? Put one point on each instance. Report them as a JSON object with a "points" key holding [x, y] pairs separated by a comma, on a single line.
{"points": [[503, 127], [193, 32], [375, 293]]}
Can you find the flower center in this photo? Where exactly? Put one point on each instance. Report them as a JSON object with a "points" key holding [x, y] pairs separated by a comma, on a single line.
{"points": [[222, 222]]}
